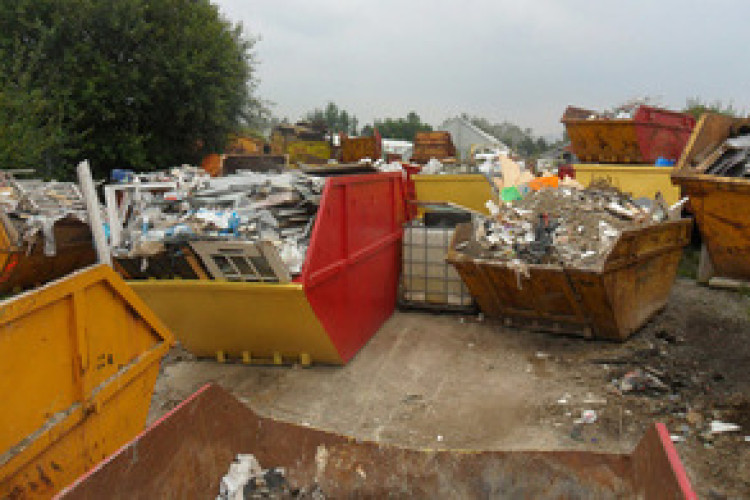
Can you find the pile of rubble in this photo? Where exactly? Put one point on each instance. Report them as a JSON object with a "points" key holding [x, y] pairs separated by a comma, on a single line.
{"points": [[187, 205], [563, 226], [246, 479]]}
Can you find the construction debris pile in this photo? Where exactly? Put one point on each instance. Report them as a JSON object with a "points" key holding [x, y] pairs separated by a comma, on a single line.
{"points": [[186, 206], [731, 159], [624, 111], [246, 479], [564, 226], [32, 207], [447, 166]]}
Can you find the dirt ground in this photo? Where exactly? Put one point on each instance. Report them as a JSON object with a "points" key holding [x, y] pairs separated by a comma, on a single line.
{"points": [[450, 381]]}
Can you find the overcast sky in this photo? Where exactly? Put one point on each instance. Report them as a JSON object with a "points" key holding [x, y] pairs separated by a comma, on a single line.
{"points": [[515, 60]]}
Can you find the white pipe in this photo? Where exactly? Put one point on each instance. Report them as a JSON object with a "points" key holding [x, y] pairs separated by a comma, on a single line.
{"points": [[92, 208], [113, 217]]}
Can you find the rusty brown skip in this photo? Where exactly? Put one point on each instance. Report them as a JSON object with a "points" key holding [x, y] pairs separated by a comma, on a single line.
{"points": [[720, 204], [185, 454], [354, 149], [610, 302], [23, 264], [428, 145]]}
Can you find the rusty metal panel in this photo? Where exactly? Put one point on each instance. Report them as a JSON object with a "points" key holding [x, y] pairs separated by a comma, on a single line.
{"points": [[354, 149], [612, 302], [186, 453], [657, 470], [23, 264], [636, 279], [438, 145]]}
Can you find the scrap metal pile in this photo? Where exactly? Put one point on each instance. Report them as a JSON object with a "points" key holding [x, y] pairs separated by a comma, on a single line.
{"points": [[563, 226], [186, 206]]}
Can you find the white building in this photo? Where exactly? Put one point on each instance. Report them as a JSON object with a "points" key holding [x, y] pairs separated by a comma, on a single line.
{"points": [[467, 137]]}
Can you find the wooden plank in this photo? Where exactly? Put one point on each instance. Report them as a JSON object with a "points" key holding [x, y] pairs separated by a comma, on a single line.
{"points": [[117, 265], [705, 266], [729, 284], [192, 261], [710, 159], [710, 132]]}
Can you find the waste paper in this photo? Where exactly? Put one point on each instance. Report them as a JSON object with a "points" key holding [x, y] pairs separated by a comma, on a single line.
{"points": [[247, 479]]}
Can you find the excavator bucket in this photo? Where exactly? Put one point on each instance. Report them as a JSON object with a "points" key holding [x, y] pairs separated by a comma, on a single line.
{"points": [[79, 359], [186, 453], [346, 290]]}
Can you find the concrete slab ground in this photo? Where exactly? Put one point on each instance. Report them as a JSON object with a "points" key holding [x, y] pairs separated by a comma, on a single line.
{"points": [[449, 381], [424, 380]]}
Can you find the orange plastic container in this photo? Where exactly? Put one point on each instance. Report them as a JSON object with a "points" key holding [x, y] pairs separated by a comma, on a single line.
{"points": [[544, 182]]}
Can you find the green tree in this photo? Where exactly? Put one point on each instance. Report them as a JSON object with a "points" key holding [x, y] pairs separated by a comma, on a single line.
{"points": [[399, 128], [135, 83], [31, 133], [334, 119], [696, 106], [527, 146]]}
